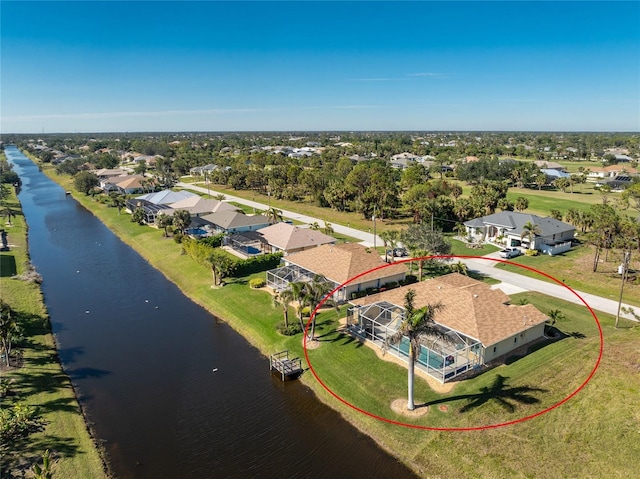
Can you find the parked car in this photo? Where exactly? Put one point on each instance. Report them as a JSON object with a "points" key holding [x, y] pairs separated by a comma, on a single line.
{"points": [[510, 253], [398, 252]]}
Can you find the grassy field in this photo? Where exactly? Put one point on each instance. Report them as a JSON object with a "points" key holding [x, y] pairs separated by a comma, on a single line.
{"points": [[593, 435], [40, 381]]}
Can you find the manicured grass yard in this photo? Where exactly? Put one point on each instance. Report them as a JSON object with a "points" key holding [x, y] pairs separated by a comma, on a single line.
{"points": [[40, 382], [595, 434]]}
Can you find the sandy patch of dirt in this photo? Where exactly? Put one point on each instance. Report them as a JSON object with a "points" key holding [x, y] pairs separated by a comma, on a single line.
{"points": [[400, 406]]}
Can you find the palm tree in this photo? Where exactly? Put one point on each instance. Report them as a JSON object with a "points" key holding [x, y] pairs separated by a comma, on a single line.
{"points": [[297, 291], [530, 231], [284, 298], [118, 200], [416, 324], [315, 292], [460, 268], [182, 220], [314, 226], [10, 330], [385, 236], [164, 221], [220, 197], [328, 229], [274, 215], [221, 264], [8, 212]]}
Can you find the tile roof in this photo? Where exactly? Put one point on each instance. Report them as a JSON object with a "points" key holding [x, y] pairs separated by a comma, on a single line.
{"points": [[339, 263], [197, 204], [289, 237], [235, 219], [470, 307], [132, 181]]}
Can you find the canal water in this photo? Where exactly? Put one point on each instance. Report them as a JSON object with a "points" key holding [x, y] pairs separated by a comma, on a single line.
{"points": [[172, 391]]}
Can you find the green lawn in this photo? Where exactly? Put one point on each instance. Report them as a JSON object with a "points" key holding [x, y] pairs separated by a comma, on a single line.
{"points": [[593, 435], [41, 382]]}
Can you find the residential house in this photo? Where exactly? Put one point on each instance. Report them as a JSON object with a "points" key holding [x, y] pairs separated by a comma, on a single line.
{"points": [[199, 206], [611, 171], [507, 227], [289, 239], [479, 323], [362, 267], [131, 184], [235, 221], [167, 197]]}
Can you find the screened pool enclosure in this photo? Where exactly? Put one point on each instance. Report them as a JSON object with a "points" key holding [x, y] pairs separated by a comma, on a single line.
{"points": [[441, 359]]}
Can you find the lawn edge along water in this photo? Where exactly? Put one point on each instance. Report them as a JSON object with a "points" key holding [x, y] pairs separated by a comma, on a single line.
{"points": [[68, 427]]}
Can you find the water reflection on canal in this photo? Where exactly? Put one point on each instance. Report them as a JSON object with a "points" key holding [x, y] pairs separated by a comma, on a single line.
{"points": [[142, 357]]}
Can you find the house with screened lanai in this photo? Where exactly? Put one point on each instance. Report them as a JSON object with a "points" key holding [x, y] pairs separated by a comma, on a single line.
{"points": [[479, 322]]}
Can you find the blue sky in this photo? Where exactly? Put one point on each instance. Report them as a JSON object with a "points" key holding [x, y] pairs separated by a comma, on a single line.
{"points": [[244, 66]]}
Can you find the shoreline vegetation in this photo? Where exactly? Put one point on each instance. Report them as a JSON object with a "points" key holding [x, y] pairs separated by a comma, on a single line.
{"points": [[592, 435], [36, 379]]}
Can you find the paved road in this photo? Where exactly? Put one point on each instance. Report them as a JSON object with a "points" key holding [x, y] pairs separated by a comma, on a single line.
{"points": [[511, 282], [516, 283]]}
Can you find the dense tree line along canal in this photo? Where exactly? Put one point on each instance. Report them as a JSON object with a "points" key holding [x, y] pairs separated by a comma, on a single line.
{"points": [[142, 358]]}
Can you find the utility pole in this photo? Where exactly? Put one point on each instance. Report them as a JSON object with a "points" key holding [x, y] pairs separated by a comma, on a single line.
{"points": [[374, 226], [625, 269]]}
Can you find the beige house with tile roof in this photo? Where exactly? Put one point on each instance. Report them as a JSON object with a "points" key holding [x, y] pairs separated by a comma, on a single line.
{"points": [[479, 320], [291, 239], [338, 264]]}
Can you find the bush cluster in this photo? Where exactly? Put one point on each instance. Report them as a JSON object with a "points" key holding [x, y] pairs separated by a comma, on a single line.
{"points": [[256, 283]]}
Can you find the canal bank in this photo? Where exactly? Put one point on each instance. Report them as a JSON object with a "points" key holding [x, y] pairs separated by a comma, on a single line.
{"points": [[36, 378], [150, 357]]}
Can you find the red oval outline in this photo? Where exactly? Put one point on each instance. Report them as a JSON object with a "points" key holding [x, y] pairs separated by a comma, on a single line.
{"points": [[469, 428]]}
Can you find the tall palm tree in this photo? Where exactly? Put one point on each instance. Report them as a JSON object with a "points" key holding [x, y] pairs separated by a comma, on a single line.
{"points": [[315, 292], [530, 231], [328, 228], [416, 324], [284, 299]]}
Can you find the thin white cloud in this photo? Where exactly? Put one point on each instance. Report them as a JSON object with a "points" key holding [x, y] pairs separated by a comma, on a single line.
{"points": [[427, 74]]}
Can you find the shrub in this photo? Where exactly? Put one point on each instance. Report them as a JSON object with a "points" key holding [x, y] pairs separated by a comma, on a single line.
{"points": [[410, 279], [306, 311], [531, 252], [256, 283], [214, 241], [293, 329], [257, 264]]}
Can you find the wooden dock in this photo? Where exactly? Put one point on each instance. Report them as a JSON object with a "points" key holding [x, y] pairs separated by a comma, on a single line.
{"points": [[287, 367]]}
